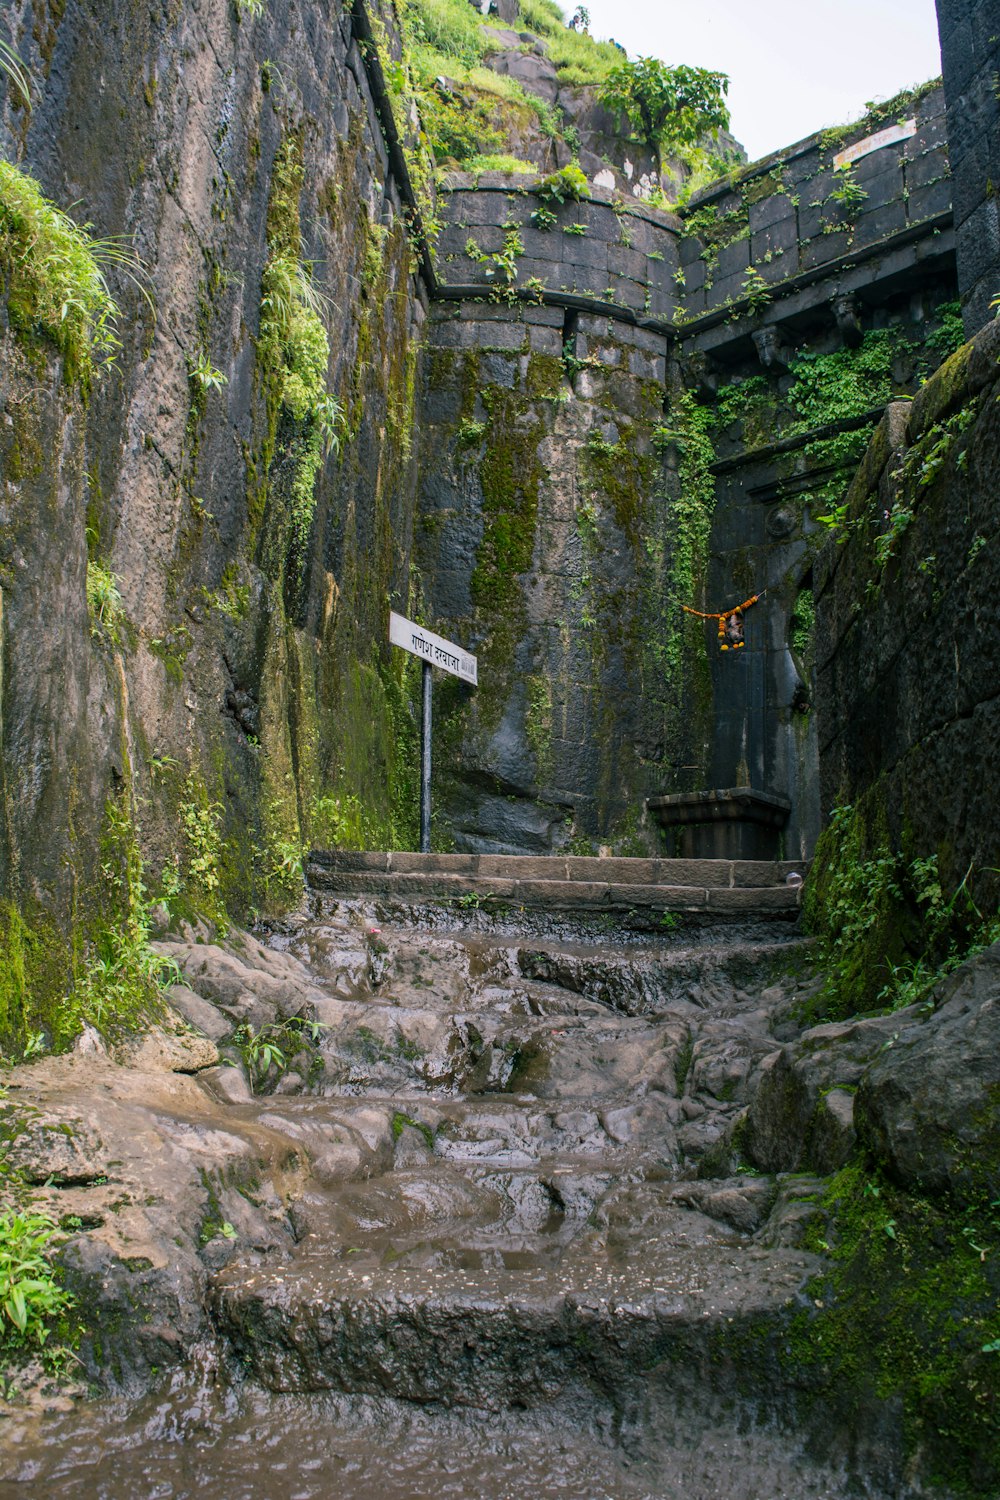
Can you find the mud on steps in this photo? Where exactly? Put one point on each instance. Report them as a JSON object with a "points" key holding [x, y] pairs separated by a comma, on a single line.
{"points": [[517, 1203]]}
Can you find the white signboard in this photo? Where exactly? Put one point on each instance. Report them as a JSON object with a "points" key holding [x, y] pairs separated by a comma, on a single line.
{"points": [[888, 137], [433, 648]]}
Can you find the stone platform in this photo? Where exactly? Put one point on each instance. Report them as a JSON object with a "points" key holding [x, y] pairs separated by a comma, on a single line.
{"points": [[735, 887]]}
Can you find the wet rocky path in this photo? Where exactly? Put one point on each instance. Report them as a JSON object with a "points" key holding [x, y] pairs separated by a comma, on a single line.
{"points": [[500, 1245]]}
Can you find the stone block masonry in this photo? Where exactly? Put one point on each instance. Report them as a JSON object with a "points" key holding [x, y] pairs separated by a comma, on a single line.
{"points": [[790, 257], [970, 58], [907, 699], [736, 888]]}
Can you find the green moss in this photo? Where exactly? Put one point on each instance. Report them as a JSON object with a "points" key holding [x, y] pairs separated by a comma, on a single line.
{"points": [[544, 376], [679, 656], [401, 1121], [757, 189], [510, 474], [905, 1318], [538, 724], [370, 800], [35, 977], [620, 475]]}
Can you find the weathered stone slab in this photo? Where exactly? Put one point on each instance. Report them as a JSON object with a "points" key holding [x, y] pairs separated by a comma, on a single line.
{"points": [[701, 872], [523, 866], [689, 897], [771, 898], [562, 893], [763, 872], [403, 862], [622, 871], [350, 859]]}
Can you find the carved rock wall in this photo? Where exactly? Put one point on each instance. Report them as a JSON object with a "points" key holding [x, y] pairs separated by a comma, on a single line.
{"points": [[249, 676]]}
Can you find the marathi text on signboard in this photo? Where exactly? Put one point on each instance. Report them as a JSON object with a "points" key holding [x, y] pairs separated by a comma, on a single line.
{"points": [[433, 649], [888, 137]]}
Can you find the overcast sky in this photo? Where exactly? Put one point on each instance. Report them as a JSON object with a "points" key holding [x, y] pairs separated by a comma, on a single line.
{"points": [[795, 65]]}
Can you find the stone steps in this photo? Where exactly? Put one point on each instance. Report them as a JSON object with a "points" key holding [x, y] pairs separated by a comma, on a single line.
{"points": [[452, 1322], [723, 887]]}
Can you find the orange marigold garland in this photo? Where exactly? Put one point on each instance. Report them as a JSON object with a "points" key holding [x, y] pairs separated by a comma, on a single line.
{"points": [[730, 621]]}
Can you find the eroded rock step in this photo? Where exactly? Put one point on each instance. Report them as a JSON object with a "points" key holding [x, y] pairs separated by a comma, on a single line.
{"points": [[653, 1295]]}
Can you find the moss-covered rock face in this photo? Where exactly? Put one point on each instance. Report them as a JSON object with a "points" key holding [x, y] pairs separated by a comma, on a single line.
{"points": [[194, 597]]}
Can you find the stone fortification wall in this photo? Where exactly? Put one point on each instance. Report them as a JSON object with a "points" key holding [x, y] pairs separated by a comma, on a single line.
{"points": [[729, 297], [970, 59], [847, 298], [547, 540], [610, 250], [909, 650], [795, 222]]}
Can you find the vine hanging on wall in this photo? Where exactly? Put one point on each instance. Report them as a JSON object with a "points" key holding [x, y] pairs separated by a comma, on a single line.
{"points": [[730, 621]]}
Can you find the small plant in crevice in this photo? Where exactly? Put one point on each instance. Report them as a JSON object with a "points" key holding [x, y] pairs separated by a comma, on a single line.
{"points": [[542, 218], [104, 603], [755, 291], [847, 192], [269, 1051], [568, 185], [203, 374], [500, 265], [33, 1302]]}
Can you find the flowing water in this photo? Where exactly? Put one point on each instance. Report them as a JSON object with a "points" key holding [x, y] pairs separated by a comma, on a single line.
{"points": [[520, 1267]]}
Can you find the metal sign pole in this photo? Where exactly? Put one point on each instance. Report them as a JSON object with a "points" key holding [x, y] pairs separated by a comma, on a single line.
{"points": [[425, 764], [434, 651]]}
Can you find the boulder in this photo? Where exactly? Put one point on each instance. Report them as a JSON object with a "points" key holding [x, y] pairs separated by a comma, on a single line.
{"points": [[929, 1105], [791, 1121]]}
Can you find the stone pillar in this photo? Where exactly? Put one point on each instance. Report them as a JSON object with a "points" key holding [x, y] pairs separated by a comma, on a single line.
{"points": [[970, 61]]}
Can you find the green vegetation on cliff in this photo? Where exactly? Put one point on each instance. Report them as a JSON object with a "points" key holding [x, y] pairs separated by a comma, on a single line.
{"points": [[293, 349], [888, 929], [671, 109], [54, 274], [469, 113]]}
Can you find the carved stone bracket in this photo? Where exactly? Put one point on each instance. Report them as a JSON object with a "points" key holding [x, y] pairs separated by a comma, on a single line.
{"points": [[772, 350], [847, 317], [701, 375]]}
